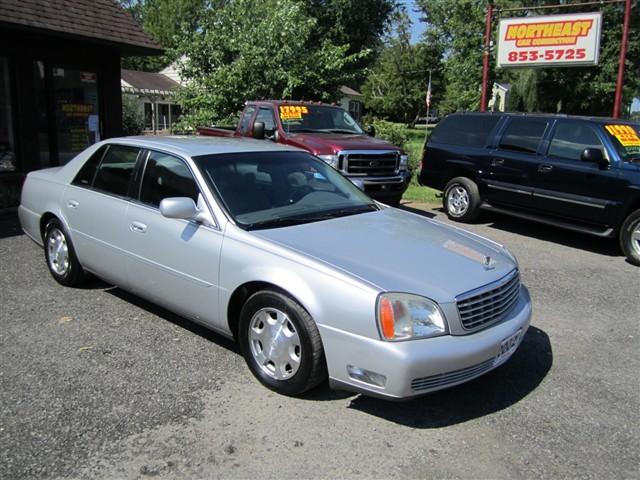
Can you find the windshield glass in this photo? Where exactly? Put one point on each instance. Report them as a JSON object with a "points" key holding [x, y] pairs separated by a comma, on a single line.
{"points": [[277, 189], [317, 118], [626, 139]]}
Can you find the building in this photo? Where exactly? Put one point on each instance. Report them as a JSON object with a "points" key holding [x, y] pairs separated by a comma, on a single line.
{"points": [[351, 101], [154, 94], [59, 81], [499, 96]]}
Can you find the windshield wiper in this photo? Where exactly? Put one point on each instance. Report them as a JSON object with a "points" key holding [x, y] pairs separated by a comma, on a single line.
{"points": [[306, 130], [343, 212], [342, 130], [309, 217]]}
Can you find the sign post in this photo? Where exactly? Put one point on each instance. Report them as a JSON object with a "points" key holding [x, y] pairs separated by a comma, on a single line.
{"points": [[623, 56]]}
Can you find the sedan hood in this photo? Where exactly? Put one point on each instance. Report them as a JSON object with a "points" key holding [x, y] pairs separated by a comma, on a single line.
{"points": [[400, 251]]}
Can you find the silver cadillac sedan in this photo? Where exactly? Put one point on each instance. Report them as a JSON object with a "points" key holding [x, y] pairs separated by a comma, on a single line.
{"points": [[270, 246]]}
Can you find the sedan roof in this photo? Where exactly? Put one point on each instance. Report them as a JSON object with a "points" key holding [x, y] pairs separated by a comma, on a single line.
{"points": [[193, 146]]}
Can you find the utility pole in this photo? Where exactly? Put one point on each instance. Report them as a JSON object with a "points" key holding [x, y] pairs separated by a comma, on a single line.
{"points": [[485, 59], [623, 55]]}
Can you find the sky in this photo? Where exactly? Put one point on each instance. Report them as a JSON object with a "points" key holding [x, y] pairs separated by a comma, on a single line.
{"points": [[417, 27]]}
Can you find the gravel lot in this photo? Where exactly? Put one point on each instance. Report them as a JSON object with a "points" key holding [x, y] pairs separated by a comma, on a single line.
{"points": [[96, 383]]}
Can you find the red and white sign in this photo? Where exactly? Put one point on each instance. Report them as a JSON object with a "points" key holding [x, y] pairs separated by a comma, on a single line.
{"points": [[552, 40]]}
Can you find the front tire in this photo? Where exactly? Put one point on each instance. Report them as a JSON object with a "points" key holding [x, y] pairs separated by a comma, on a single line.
{"points": [[630, 237], [461, 200], [61, 256], [281, 343]]}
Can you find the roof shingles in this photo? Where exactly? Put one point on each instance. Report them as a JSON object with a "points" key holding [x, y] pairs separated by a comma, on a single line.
{"points": [[102, 20]]}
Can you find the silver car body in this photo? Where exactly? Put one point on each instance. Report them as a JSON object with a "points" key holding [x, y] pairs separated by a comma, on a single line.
{"points": [[334, 268]]}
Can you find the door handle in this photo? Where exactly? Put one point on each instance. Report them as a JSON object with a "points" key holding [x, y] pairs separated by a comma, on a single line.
{"points": [[72, 204], [138, 227], [545, 168], [495, 162]]}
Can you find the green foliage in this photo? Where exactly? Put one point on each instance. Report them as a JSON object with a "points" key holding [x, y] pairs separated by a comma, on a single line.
{"points": [[132, 116], [256, 50], [396, 87], [392, 132]]}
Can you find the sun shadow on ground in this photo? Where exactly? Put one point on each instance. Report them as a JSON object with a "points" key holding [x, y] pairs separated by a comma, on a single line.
{"points": [[10, 226], [490, 393]]}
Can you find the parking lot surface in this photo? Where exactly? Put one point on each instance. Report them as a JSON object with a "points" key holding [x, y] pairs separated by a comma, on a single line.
{"points": [[97, 383]]}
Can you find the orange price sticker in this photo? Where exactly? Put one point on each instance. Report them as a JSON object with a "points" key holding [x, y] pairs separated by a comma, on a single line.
{"points": [[292, 112], [625, 134]]}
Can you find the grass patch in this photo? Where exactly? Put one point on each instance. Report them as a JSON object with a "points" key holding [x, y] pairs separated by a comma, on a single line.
{"points": [[420, 194]]}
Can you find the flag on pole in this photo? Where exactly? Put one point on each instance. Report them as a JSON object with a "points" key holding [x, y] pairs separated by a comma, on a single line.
{"points": [[428, 99]]}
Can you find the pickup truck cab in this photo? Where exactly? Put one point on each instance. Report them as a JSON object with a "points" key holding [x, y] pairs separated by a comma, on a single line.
{"points": [[578, 173], [330, 133]]}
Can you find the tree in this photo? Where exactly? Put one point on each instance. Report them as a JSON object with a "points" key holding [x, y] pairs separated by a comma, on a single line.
{"points": [[163, 20], [251, 50], [396, 86]]}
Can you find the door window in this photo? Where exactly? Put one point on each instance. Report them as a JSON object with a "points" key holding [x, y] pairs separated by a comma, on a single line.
{"points": [[464, 130], [116, 169], [245, 122], [265, 115], [166, 176], [571, 138], [84, 178], [523, 135]]}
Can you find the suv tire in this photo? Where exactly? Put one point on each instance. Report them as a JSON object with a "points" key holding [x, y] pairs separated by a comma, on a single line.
{"points": [[461, 200], [630, 237]]}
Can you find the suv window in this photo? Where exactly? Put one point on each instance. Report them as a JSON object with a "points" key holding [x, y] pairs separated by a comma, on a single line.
{"points": [[464, 130], [523, 134], [85, 176], [571, 138], [245, 121], [166, 176], [116, 169], [265, 115]]}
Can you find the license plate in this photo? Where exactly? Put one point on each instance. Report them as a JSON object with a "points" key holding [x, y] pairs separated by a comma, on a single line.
{"points": [[507, 347]]}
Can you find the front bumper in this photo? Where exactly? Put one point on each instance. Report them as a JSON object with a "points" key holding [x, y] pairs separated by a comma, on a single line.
{"points": [[384, 187], [416, 367]]}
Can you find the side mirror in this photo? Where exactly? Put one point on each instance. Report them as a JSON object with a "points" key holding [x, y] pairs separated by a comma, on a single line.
{"points": [[371, 131], [178, 207], [276, 136], [358, 183], [594, 155], [258, 130]]}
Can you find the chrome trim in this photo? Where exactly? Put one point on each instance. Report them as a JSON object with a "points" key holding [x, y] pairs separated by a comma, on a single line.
{"points": [[343, 157], [507, 189], [490, 286], [569, 200]]}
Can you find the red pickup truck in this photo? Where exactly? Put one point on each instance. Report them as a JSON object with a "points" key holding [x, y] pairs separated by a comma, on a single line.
{"points": [[330, 133]]}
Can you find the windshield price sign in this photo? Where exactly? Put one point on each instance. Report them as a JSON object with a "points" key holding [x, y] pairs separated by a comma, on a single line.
{"points": [[553, 40], [292, 112], [625, 134]]}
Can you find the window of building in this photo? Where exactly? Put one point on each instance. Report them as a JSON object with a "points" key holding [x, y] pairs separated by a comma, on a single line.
{"points": [[166, 176], [7, 146], [148, 115], [355, 109], [164, 121], [571, 138], [116, 169], [523, 134]]}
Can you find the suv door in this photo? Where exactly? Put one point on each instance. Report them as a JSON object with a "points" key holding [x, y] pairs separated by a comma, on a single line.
{"points": [[567, 186], [514, 162], [173, 262]]}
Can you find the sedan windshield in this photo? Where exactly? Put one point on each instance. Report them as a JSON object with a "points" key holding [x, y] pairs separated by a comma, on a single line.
{"points": [[317, 119], [626, 139], [276, 189]]}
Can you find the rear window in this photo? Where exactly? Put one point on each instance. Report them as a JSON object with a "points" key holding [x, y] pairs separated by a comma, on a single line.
{"points": [[464, 130], [523, 135]]}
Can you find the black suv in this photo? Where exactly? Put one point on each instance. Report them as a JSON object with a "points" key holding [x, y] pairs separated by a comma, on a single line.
{"points": [[578, 173]]}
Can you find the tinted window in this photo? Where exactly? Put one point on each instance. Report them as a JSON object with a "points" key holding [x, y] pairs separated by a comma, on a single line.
{"points": [[523, 135], [245, 122], [464, 130], [88, 170], [166, 176], [265, 115], [571, 138], [116, 170]]}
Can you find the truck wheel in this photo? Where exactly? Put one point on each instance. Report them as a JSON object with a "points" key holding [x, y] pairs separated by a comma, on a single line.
{"points": [[630, 238], [461, 199]]}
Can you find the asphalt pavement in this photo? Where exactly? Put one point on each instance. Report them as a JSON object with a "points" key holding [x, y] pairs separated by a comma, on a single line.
{"points": [[97, 383]]}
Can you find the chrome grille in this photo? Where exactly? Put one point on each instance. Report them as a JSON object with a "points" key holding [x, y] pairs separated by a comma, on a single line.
{"points": [[371, 163], [444, 379], [491, 304]]}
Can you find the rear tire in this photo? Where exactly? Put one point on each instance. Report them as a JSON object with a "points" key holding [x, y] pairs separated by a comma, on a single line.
{"points": [[60, 255], [281, 343], [630, 237], [461, 200]]}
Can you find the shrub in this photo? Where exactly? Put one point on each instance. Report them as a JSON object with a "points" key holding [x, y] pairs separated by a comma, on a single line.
{"points": [[132, 116]]}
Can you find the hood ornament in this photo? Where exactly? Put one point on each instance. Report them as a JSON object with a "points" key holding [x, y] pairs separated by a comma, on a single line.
{"points": [[488, 263]]}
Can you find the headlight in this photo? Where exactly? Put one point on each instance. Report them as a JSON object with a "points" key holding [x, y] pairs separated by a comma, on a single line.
{"points": [[404, 160], [330, 159], [402, 316]]}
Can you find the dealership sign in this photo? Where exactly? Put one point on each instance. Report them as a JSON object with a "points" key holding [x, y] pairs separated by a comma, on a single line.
{"points": [[553, 40]]}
